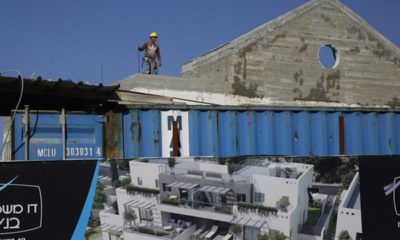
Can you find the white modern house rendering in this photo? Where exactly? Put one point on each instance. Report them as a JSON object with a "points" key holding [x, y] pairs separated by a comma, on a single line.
{"points": [[206, 199], [349, 212]]}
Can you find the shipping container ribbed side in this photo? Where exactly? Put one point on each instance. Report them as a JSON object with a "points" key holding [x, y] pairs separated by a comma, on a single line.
{"points": [[150, 132], [83, 136], [142, 135]]}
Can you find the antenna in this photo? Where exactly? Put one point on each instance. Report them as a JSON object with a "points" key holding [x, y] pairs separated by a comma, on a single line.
{"points": [[102, 74]]}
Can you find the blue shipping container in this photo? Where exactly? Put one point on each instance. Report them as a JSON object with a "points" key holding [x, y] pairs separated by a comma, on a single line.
{"points": [[84, 137], [315, 132]]}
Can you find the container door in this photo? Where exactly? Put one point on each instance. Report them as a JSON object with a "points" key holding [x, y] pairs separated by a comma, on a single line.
{"points": [[84, 137]]}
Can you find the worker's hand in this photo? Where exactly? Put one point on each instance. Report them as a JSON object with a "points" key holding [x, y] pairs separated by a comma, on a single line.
{"points": [[139, 49], [159, 64]]}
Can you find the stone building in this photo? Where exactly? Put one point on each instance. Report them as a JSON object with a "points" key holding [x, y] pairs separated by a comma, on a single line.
{"points": [[278, 64]]}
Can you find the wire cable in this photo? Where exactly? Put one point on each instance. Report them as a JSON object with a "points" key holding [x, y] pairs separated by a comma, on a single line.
{"points": [[16, 107]]}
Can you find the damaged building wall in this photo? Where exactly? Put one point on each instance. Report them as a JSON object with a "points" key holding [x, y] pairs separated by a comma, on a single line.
{"points": [[280, 60]]}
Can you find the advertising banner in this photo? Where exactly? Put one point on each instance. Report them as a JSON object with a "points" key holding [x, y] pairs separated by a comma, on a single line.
{"points": [[380, 197], [118, 199], [179, 198], [46, 199]]}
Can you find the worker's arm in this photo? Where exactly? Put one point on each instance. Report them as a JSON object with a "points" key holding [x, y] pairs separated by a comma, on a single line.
{"points": [[143, 47], [158, 55]]}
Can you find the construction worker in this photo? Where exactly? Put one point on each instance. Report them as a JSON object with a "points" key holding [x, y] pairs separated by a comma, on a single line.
{"points": [[151, 54]]}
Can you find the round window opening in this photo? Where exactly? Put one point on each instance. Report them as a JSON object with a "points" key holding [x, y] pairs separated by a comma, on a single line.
{"points": [[328, 56]]}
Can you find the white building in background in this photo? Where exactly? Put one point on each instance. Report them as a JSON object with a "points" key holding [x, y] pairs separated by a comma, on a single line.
{"points": [[199, 199], [349, 212]]}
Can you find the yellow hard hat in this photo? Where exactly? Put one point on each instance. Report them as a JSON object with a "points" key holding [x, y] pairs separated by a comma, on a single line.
{"points": [[153, 34]]}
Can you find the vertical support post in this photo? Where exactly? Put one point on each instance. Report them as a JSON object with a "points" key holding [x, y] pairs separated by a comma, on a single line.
{"points": [[26, 132], [63, 129], [8, 146], [342, 149]]}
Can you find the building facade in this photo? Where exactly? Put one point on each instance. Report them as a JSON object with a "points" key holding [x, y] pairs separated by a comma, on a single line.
{"points": [[203, 199]]}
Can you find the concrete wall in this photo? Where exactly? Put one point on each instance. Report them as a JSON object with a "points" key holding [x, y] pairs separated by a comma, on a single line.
{"points": [[148, 172], [349, 219], [122, 198], [202, 166], [305, 181], [274, 188], [296, 189], [280, 60], [107, 216]]}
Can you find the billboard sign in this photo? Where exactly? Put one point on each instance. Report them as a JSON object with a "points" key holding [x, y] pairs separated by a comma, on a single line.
{"points": [[40, 199], [380, 196]]}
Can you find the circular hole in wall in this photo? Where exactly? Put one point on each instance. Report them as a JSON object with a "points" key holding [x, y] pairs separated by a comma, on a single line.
{"points": [[328, 56]]}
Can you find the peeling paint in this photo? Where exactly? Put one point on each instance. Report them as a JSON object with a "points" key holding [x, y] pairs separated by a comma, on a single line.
{"points": [[239, 85], [396, 60], [355, 50], [321, 90], [298, 77], [381, 51], [333, 80], [303, 48], [394, 103], [240, 88], [356, 31], [278, 36], [325, 18]]}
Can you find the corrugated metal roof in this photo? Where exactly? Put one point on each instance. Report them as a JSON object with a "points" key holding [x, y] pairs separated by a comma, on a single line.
{"points": [[12, 83], [52, 95]]}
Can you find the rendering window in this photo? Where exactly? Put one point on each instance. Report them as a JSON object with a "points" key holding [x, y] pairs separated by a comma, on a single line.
{"points": [[146, 215], [259, 197], [241, 197]]}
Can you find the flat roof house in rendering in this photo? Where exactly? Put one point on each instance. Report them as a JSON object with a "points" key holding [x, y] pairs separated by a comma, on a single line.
{"points": [[349, 212], [204, 198]]}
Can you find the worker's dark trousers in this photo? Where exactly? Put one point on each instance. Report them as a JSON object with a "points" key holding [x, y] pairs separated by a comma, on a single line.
{"points": [[151, 65]]}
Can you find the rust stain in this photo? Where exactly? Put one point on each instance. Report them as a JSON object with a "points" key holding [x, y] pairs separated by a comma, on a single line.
{"points": [[113, 132]]}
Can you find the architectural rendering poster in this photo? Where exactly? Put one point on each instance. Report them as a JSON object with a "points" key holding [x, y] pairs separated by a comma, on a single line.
{"points": [[248, 198], [46, 199], [380, 197]]}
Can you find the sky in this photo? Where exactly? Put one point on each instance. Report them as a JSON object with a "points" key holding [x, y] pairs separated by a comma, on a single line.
{"points": [[72, 39]]}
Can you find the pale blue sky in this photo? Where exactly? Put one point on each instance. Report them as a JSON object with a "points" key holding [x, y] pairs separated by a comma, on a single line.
{"points": [[72, 38]]}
